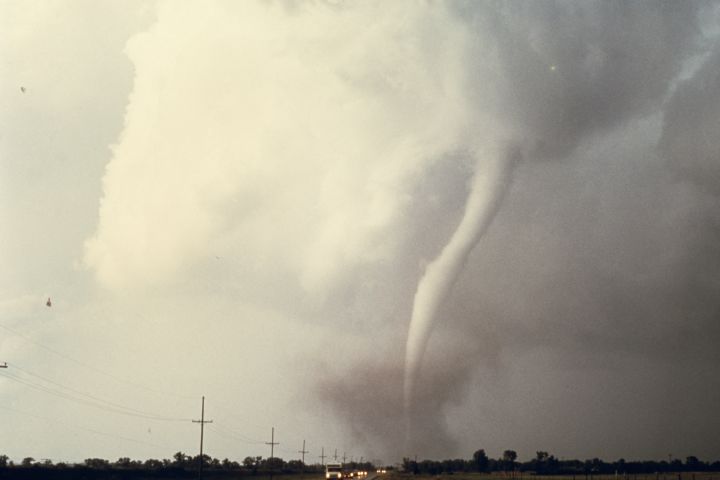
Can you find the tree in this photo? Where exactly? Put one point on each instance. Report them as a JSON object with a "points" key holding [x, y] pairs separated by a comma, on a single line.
{"points": [[228, 464], [207, 460], [153, 464], [539, 463], [3, 461], [251, 463], [274, 463], [296, 465], [508, 458], [480, 460], [410, 466], [27, 461], [552, 465], [180, 460], [97, 463]]}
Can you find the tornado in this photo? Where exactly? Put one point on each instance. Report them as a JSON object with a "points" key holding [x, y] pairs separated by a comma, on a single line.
{"points": [[492, 178]]}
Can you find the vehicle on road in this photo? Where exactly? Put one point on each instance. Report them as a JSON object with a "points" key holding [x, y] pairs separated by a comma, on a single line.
{"points": [[334, 470]]}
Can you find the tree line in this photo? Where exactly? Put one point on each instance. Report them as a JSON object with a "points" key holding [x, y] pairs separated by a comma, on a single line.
{"points": [[179, 466], [545, 464], [182, 465]]}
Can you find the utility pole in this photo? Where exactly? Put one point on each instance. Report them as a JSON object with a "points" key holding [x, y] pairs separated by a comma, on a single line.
{"points": [[272, 443], [335, 456], [322, 456], [303, 452], [302, 466], [202, 423], [343, 457]]}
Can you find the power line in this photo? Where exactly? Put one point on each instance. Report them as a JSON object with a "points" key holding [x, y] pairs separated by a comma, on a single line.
{"points": [[84, 398], [79, 396], [90, 367], [229, 433], [235, 416], [91, 401], [140, 412], [97, 432]]}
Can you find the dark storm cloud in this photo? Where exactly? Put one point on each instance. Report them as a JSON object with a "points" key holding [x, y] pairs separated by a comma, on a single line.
{"points": [[576, 68], [690, 148], [603, 259], [692, 122], [614, 280]]}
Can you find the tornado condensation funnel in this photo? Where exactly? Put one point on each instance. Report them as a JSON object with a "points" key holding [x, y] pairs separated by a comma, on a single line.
{"points": [[491, 179]]}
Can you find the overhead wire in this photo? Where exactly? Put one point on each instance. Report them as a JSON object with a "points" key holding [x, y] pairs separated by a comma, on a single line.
{"points": [[228, 433], [75, 395], [91, 400], [237, 417], [97, 432], [94, 369]]}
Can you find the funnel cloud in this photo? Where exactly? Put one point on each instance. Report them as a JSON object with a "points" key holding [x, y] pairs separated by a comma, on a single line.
{"points": [[491, 179]]}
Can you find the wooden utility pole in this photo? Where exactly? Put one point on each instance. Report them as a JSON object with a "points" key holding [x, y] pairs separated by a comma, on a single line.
{"points": [[335, 456], [272, 443], [322, 456], [303, 452], [302, 465], [202, 423]]}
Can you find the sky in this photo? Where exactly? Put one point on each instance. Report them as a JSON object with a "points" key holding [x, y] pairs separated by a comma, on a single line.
{"points": [[254, 201]]}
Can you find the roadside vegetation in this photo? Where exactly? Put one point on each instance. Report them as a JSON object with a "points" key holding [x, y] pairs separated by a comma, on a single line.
{"points": [[544, 464], [180, 466], [479, 467]]}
